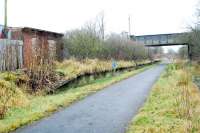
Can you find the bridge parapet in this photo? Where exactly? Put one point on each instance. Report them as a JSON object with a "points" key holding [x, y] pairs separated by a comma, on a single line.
{"points": [[160, 39]]}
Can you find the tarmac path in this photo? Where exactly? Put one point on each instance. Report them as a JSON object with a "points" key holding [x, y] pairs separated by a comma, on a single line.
{"points": [[107, 111]]}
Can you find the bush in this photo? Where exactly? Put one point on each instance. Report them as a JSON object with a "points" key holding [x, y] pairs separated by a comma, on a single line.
{"points": [[83, 44], [41, 76], [10, 96]]}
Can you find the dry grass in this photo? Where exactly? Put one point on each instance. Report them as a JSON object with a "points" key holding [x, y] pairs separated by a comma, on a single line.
{"points": [[10, 96], [18, 106], [72, 68], [40, 106], [41, 75], [172, 107]]}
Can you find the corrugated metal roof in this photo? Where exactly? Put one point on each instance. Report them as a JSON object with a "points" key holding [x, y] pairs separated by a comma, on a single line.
{"points": [[33, 29], [39, 30]]}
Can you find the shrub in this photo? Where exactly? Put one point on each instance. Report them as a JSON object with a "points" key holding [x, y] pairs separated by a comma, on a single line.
{"points": [[85, 43], [41, 76], [10, 95], [9, 76]]}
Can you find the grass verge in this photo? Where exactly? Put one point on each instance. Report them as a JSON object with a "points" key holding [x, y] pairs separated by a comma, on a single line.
{"points": [[172, 107], [71, 68], [41, 106]]}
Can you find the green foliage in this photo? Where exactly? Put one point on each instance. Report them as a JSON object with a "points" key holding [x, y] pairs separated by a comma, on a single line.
{"points": [[169, 70], [172, 67], [82, 44], [10, 77]]}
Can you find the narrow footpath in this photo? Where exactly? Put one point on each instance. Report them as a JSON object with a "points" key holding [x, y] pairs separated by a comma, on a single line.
{"points": [[107, 111]]}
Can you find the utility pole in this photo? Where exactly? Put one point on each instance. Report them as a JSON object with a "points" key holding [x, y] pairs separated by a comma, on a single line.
{"points": [[5, 30], [5, 17], [129, 25]]}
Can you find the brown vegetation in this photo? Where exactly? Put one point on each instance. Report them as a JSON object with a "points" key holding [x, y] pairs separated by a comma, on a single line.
{"points": [[173, 105]]}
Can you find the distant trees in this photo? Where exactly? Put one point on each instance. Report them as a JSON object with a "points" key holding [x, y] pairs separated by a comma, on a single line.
{"points": [[171, 51], [90, 42], [171, 54], [193, 39], [86, 44], [158, 51], [120, 47], [183, 52]]}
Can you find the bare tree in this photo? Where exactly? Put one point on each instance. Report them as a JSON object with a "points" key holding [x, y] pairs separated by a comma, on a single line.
{"points": [[101, 25], [193, 39]]}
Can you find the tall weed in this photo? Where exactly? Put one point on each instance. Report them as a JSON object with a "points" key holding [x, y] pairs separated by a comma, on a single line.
{"points": [[10, 96]]}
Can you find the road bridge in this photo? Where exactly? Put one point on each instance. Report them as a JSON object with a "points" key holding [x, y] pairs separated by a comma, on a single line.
{"points": [[160, 39], [157, 40]]}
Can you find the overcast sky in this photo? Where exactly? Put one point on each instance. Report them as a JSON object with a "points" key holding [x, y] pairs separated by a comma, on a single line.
{"points": [[147, 16]]}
